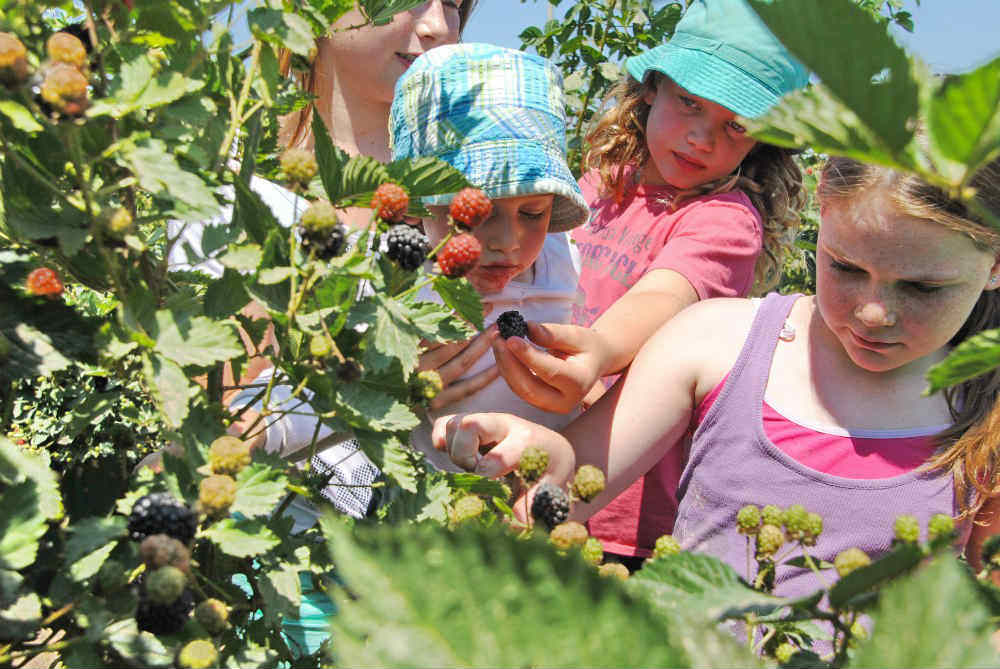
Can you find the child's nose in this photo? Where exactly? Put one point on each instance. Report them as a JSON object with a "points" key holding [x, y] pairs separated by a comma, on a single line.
{"points": [[875, 314], [499, 233], [701, 137], [432, 22]]}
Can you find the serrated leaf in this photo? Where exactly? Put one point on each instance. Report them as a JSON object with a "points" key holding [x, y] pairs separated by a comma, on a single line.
{"points": [[259, 489], [142, 649], [281, 592], [169, 387], [195, 341], [159, 173], [365, 407], [242, 538], [436, 323], [141, 84], [243, 257], [806, 27], [393, 335], [380, 12], [91, 541], [963, 111], [273, 275], [424, 177], [933, 618], [282, 28], [21, 619], [419, 601], [10, 584], [252, 214], [20, 116], [460, 295], [974, 356], [898, 561], [359, 178], [226, 296], [330, 159], [21, 525], [393, 460]]}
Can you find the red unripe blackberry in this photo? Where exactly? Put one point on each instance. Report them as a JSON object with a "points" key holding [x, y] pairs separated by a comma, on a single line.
{"points": [[459, 255], [470, 207], [511, 324], [160, 513], [390, 202], [407, 246], [160, 550], [65, 48], [13, 60], [65, 89], [44, 281]]}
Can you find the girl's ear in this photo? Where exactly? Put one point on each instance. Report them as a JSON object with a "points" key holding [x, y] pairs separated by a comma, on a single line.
{"points": [[993, 282]]}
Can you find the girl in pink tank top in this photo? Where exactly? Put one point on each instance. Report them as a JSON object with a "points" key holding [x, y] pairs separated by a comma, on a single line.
{"points": [[903, 275]]}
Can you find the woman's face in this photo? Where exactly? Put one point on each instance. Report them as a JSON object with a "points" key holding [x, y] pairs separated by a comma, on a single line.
{"points": [[512, 237], [892, 288], [369, 60]]}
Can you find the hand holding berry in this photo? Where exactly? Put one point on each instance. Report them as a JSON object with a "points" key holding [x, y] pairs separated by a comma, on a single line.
{"points": [[452, 360]]}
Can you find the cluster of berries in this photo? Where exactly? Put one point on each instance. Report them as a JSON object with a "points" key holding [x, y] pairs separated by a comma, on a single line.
{"points": [[773, 527], [906, 528], [64, 76]]}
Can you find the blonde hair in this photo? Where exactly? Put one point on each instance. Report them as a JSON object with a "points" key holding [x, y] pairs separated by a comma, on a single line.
{"points": [[968, 447], [769, 175], [296, 127]]}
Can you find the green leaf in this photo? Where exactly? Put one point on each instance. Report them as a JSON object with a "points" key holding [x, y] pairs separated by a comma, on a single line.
{"points": [[365, 407], [808, 27], [159, 173], [962, 115], [195, 341], [393, 335], [436, 323], [273, 275], [394, 460], [226, 296], [21, 525], [169, 387], [330, 158], [426, 176], [91, 541], [933, 618], [424, 596], [140, 649], [20, 116], [974, 356], [283, 29], [141, 84], [460, 295], [10, 584], [250, 213], [242, 257], [359, 178], [21, 619], [380, 12], [901, 559], [242, 538], [281, 592], [259, 490]]}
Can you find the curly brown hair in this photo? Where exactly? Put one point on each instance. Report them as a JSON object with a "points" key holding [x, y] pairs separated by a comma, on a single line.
{"points": [[969, 447], [296, 128], [769, 175]]}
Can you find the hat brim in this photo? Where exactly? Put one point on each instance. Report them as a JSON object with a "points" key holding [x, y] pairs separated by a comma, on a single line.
{"points": [[707, 76], [538, 171]]}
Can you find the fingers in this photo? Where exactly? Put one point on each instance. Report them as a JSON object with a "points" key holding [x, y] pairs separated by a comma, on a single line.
{"points": [[531, 388], [453, 360], [462, 389], [462, 435], [560, 337]]}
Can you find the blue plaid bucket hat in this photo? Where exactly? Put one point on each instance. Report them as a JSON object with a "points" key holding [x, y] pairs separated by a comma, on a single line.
{"points": [[494, 114], [723, 52]]}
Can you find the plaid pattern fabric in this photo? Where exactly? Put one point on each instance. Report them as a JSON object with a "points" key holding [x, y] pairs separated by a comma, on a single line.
{"points": [[350, 476], [494, 114]]}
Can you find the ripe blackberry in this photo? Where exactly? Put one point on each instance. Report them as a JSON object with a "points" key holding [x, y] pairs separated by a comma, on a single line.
{"points": [[160, 513], [511, 324], [588, 483], [470, 207], [390, 202], [349, 371], [160, 619], [534, 461], [550, 506], [459, 255], [408, 246]]}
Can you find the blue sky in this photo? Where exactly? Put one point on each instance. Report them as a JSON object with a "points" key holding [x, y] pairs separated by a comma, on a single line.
{"points": [[950, 35]]}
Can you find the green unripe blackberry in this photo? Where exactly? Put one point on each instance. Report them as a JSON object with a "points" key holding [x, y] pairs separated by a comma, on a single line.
{"points": [[570, 534], [748, 519], [795, 519], [159, 550], [322, 230], [160, 513], [198, 654], [784, 652], [117, 222], [813, 528], [213, 615], [467, 508], [666, 545], [299, 167], [588, 482], [593, 551], [319, 347], [772, 515], [550, 506], [165, 585], [228, 455], [111, 577], [534, 461], [940, 525], [849, 560], [426, 385], [613, 570], [907, 529], [216, 494], [858, 631], [769, 539]]}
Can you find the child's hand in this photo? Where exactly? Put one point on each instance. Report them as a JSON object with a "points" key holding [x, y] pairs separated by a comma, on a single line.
{"points": [[452, 360], [558, 379]]}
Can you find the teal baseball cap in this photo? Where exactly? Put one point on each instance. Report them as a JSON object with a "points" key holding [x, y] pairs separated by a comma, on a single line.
{"points": [[723, 52]]}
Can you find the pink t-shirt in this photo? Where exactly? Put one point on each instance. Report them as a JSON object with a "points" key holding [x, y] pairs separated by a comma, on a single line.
{"points": [[713, 241]]}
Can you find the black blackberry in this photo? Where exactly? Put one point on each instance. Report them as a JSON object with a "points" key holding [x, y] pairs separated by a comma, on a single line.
{"points": [[407, 246], [160, 619], [160, 513], [551, 505], [328, 243], [349, 371], [511, 324]]}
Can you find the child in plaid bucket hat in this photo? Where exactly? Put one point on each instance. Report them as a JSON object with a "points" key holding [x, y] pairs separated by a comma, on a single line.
{"points": [[497, 115]]}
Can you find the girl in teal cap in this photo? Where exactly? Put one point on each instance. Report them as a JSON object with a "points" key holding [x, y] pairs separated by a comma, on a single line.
{"points": [[685, 206]]}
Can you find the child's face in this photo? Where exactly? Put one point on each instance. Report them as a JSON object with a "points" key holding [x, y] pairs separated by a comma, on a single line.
{"points": [[512, 237], [691, 140], [366, 62], [891, 288]]}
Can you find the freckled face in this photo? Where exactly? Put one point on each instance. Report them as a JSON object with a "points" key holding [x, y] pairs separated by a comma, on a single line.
{"points": [[512, 237], [691, 140], [894, 289]]}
